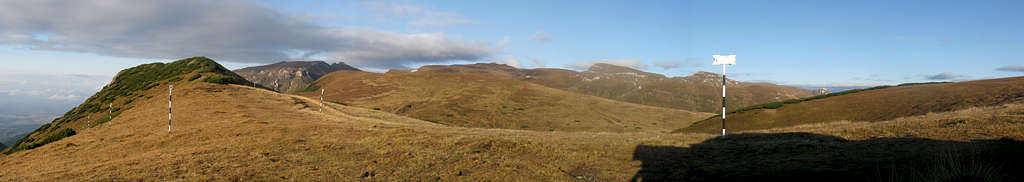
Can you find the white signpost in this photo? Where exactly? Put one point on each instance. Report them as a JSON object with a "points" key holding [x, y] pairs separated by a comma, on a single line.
{"points": [[724, 60], [170, 99], [110, 111]]}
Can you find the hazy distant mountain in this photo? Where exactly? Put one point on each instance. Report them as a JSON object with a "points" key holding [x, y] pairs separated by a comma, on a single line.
{"points": [[698, 92], [289, 76]]}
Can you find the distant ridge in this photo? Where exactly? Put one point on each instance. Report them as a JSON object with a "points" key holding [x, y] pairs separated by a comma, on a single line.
{"points": [[127, 86], [699, 92], [290, 76], [482, 101]]}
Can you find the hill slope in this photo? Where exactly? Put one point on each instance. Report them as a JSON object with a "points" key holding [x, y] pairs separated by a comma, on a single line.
{"points": [[488, 102], [118, 96], [699, 92], [877, 104], [238, 133], [290, 76]]}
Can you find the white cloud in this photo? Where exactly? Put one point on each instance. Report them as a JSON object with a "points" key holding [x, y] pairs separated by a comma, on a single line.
{"points": [[504, 41], [632, 63], [1015, 68], [538, 63], [667, 64], [945, 76], [420, 15], [59, 97], [694, 62], [511, 61], [541, 37], [229, 30]]}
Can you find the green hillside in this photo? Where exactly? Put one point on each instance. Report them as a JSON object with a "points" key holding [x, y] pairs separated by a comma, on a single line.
{"points": [[126, 87]]}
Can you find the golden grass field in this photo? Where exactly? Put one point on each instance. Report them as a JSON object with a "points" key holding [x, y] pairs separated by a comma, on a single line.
{"points": [[237, 133], [488, 102], [877, 105], [700, 92]]}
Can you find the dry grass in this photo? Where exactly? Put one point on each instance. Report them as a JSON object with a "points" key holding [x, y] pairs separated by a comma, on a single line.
{"points": [[225, 132], [991, 122], [691, 93], [877, 105], [488, 102], [230, 132]]}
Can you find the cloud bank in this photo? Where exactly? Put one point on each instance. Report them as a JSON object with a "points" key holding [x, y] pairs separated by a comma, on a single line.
{"points": [[229, 30], [668, 64], [541, 37], [945, 76], [632, 63], [1013, 68]]}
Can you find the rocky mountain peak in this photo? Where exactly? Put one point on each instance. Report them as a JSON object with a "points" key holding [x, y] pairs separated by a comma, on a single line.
{"points": [[290, 76]]}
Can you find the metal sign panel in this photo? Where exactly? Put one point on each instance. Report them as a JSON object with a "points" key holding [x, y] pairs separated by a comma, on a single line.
{"points": [[726, 59]]}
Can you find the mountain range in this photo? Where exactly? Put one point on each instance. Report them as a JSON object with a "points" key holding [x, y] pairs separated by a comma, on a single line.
{"points": [[700, 92], [289, 76], [377, 127]]}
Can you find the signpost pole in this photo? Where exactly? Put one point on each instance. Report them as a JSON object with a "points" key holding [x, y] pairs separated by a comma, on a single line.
{"points": [[170, 100], [724, 60]]}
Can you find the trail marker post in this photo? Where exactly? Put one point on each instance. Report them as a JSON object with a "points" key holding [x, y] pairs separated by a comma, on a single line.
{"points": [[170, 101], [321, 100], [724, 60], [110, 111]]}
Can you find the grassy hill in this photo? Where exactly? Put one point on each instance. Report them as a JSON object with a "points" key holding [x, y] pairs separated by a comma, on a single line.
{"points": [[877, 104], [491, 102], [118, 96], [233, 132], [700, 92]]}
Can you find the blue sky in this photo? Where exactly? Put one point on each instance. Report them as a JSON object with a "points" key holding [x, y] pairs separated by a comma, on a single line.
{"points": [[786, 42]]}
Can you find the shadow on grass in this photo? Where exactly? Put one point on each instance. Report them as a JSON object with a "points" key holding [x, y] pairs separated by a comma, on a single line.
{"points": [[813, 157]]}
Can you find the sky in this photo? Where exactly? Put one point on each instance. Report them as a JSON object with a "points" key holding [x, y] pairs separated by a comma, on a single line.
{"points": [[66, 50]]}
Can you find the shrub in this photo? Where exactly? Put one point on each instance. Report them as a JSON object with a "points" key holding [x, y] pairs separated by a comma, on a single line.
{"points": [[310, 88], [194, 77], [49, 139], [336, 102], [222, 79], [773, 105]]}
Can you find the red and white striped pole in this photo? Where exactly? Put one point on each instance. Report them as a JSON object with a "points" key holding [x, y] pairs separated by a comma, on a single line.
{"points": [[170, 99]]}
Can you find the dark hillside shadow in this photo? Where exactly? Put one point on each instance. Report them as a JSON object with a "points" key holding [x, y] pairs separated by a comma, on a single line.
{"points": [[813, 157]]}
